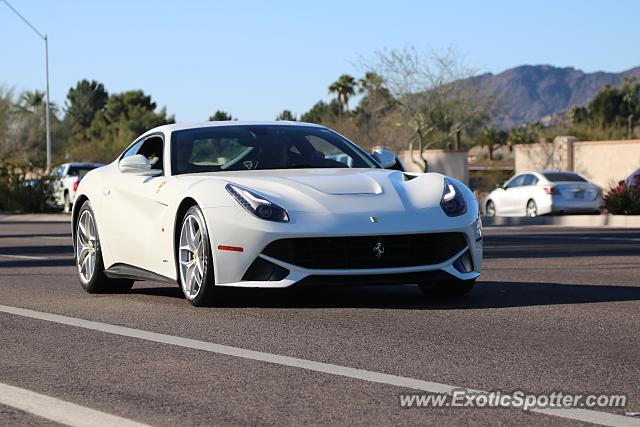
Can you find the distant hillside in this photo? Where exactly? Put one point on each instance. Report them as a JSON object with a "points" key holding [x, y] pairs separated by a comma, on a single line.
{"points": [[531, 92]]}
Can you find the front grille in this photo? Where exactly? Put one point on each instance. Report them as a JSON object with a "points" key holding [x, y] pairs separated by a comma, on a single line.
{"points": [[356, 252]]}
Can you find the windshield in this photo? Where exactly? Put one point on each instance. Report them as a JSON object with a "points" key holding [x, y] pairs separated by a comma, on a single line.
{"points": [[563, 177], [80, 171], [259, 147]]}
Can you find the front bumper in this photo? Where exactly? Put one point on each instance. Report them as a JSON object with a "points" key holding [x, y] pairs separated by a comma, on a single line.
{"points": [[234, 227]]}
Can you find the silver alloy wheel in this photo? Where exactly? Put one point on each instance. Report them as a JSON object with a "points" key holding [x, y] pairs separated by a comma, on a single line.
{"points": [[86, 246], [191, 256], [532, 209]]}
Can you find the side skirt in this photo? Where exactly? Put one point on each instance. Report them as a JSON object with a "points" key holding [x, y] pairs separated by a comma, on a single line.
{"points": [[126, 271]]}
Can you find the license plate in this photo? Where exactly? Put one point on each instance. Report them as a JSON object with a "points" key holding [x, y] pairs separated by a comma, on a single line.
{"points": [[578, 195]]}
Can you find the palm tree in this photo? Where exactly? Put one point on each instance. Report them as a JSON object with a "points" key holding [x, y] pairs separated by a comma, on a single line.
{"points": [[344, 88], [371, 82], [31, 100]]}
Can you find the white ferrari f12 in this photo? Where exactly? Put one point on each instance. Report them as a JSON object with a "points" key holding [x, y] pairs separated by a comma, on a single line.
{"points": [[270, 205]]}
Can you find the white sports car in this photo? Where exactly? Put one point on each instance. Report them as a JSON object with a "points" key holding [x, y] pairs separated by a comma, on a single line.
{"points": [[269, 205]]}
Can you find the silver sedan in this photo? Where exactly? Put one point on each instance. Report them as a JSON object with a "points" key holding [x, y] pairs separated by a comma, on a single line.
{"points": [[544, 192]]}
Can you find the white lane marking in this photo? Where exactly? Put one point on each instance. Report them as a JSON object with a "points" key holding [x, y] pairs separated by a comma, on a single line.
{"points": [[603, 418], [22, 256], [57, 410], [567, 237]]}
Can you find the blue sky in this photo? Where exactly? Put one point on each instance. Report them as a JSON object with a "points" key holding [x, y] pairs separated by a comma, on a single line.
{"points": [[255, 58]]}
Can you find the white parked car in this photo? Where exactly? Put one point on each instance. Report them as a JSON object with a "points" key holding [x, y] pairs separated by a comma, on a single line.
{"points": [[270, 205], [544, 192], [67, 178]]}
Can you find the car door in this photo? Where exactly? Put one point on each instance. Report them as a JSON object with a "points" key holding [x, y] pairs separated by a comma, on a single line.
{"points": [[523, 193], [136, 210], [510, 196]]}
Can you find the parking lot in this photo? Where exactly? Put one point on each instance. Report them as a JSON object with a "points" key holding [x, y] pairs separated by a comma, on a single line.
{"points": [[556, 309]]}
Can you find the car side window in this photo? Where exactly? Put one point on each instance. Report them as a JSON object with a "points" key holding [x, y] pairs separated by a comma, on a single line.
{"points": [[530, 180], [153, 149], [516, 182], [132, 150]]}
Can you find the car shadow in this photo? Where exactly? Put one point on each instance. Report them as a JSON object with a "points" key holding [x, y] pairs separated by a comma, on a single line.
{"points": [[485, 295]]}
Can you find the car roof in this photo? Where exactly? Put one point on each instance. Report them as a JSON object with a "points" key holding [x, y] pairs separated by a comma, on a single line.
{"points": [[197, 125]]}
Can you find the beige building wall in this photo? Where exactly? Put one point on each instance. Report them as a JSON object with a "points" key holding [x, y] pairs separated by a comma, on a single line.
{"points": [[535, 157], [451, 163], [604, 162]]}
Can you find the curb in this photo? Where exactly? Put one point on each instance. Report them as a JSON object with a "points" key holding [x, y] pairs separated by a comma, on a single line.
{"points": [[9, 218], [618, 221]]}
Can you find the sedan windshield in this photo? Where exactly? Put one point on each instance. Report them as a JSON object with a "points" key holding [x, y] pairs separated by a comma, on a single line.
{"points": [[259, 147]]}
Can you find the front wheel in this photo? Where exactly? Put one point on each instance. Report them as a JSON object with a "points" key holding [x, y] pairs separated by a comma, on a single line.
{"points": [[66, 206], [490, 208], [195, 260], [447, 288], [89, 257]]}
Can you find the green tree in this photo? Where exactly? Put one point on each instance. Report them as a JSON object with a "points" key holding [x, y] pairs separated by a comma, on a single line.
{"points": [[493, 138], [84, 101], [126, 116], [322, 113], [286, 115], [631, 102], [221, 116], [525, 134], [344, 88]]}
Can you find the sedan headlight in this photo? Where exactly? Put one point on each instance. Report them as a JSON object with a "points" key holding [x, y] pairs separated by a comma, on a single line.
{"points": [[453, 203], [257, 204]]}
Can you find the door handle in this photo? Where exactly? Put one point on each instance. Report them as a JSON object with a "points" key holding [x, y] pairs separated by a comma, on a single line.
{"points": [[106, 191]]}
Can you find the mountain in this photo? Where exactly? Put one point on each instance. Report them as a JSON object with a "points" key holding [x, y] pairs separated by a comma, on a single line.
{"points": [[533, 92]]}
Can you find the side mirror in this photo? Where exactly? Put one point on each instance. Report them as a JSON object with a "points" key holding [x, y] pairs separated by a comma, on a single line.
{"points": [[385, 158], [138, 165]]}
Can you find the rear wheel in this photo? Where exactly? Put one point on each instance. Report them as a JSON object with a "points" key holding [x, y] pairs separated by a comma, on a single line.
{"points": [[89, 257], [450, 288], [194, 259], [532, 208], [490, 208]]}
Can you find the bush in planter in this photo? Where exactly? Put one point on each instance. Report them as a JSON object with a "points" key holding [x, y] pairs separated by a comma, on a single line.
{"points": [[623, 200]]}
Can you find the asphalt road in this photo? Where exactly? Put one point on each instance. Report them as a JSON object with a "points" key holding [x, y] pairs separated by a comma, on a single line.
{"points": [[555, 310]]}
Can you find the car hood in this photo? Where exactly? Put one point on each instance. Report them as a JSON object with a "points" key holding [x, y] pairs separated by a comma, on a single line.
{"points": [[337, 190]]}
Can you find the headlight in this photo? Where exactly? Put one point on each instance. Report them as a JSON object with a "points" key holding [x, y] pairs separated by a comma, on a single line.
{"points": [[453, 203], [257, 204]]}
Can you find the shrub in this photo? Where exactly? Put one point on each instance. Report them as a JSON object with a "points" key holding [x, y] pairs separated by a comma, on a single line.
{"points": [[24, 191], [623, 201]]}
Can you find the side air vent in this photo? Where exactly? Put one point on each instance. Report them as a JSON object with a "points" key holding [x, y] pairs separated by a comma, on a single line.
{"points": [[263, 270]]}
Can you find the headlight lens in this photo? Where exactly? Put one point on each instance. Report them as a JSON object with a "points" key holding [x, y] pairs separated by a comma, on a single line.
{"points": [[452, 203], [257, 205]]}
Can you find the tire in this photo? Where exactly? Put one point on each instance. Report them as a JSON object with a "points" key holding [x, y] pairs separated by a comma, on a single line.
{"points": [[88, 255], [195, 262], [450, 288], [490, 208], [66, 206], [532, 208]]}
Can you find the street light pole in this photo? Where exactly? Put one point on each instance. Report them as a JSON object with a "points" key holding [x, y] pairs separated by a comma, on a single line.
{"points": [[46, 56], [47, 120]]}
